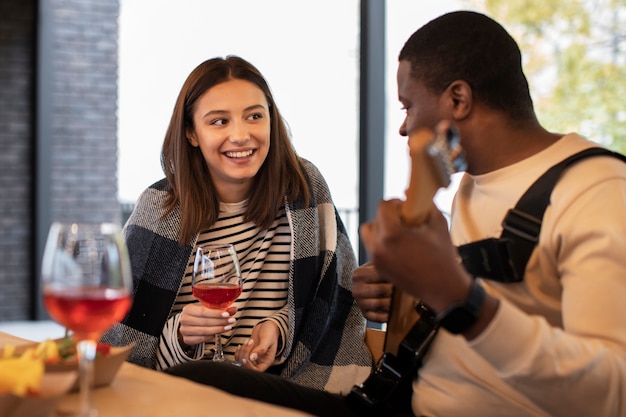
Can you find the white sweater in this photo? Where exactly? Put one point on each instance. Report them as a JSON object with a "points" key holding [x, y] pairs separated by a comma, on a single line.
{"points": [[557, 345]]}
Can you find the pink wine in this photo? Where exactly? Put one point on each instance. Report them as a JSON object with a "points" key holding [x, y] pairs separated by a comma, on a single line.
{"points": [[217, 296], [88, 312]]}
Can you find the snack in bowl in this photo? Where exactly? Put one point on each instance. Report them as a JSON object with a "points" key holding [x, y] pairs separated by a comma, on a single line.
{"points": [[21, 376], [65, 351], [26, 390], [60, 356]]}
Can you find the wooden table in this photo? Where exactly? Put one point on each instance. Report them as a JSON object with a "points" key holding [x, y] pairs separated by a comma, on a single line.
{"points": [[138, 392]]}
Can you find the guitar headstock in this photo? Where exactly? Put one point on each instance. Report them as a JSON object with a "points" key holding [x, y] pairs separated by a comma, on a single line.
{"points": [[434, 158], [446, 153]]}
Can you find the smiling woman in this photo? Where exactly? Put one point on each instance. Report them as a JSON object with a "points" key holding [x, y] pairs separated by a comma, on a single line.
{"points": [[214, 114], [233, 176]]}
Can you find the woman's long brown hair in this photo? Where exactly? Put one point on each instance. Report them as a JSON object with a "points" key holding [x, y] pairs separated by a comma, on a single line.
{"points": [[190, 185]]}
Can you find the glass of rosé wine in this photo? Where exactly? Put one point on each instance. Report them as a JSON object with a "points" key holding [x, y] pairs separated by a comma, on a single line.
{"points": [[86, 285], [216, 282]]}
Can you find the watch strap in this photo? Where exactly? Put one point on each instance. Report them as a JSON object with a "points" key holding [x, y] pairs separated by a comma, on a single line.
{"points": [[459, 317]]}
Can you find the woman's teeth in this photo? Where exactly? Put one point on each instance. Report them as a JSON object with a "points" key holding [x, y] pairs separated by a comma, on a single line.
{"points": [[239, 154]]}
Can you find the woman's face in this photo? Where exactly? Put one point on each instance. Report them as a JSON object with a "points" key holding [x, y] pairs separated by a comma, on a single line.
{"points": [[232, 129]]}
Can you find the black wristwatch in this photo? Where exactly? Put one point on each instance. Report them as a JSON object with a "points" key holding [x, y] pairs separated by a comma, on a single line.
{"points": [[459, 317]]}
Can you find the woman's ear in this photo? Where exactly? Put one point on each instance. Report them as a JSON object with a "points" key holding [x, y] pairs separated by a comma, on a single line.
{"points": [[461, 98], [191, 137]]}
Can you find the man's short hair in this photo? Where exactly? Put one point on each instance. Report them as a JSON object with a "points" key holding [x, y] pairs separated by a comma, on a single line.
{"points": [[470, 46]]}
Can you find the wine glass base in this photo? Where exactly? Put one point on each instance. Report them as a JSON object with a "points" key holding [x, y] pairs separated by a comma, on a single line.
{"points": [[234, 363]]}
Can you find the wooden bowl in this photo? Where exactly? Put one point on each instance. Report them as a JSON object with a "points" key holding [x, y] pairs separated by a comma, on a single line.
{"points": [[54, 385], [105, 367]]}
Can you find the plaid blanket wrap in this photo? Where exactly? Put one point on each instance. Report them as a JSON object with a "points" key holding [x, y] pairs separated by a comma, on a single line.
{"points": [[325, 348]]}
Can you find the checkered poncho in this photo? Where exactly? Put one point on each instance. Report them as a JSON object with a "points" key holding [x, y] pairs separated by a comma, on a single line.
{"points": [[325, 347]]}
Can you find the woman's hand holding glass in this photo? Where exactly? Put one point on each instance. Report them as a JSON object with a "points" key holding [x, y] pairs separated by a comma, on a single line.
{"points": [[200, 324]]}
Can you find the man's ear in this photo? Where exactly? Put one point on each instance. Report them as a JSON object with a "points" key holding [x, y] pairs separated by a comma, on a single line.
{"points": [[461, 98], [191, 137]]}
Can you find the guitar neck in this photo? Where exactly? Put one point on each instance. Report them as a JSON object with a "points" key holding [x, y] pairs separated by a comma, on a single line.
{"points": [[411, 326], [402, 317], [430, 170]]}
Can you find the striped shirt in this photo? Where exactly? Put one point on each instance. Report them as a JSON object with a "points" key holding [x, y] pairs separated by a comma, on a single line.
{"points": [[264, 256]]}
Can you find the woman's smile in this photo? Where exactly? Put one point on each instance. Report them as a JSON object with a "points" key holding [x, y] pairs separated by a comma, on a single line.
{"points": [[239, 154]]}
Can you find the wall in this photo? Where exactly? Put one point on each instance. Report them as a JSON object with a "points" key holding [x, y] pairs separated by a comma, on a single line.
{"points": [[58, 131], [83, 91], [17, 39]]}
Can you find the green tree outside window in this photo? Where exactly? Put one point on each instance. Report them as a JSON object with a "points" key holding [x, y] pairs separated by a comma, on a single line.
{"points": [[575, 58]]}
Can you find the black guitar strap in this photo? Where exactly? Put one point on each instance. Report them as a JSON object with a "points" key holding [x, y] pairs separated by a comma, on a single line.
{"points": [[504, 259], [389, 387]]}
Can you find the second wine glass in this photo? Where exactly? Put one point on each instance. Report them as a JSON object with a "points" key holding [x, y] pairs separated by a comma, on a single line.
{"points": [[216, 282], [87, 287]]}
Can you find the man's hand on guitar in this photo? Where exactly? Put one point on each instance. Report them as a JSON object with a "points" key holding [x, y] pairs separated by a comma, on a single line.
{"points": [[372, 293], [420, 260]]}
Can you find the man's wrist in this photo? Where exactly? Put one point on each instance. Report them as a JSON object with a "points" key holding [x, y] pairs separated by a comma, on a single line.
{"points": [[487, 312], [460, 317]]}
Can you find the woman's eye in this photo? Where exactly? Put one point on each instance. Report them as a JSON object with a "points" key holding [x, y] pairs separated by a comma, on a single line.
{"points": [[219, 122], [255, 116]]}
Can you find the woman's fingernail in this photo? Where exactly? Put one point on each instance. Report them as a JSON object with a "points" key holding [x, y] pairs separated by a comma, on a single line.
{"points": [[228, 327], [244, 361], [225, 314], [250, 342], [231, 320], [253, 357]]}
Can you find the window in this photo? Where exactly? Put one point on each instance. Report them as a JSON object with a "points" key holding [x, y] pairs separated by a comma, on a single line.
{"points": [[308, 52], [403, 18]]}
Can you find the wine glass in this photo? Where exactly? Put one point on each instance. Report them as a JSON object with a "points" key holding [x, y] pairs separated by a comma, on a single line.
{"points": [[87, 286], [216, 282]]}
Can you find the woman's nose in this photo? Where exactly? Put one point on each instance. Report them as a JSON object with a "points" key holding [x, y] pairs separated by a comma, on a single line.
{"points": [[240, 133]]}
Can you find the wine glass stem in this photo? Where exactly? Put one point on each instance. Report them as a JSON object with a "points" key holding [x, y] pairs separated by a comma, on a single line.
{"points": [[86, 350], [218, 356]]}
